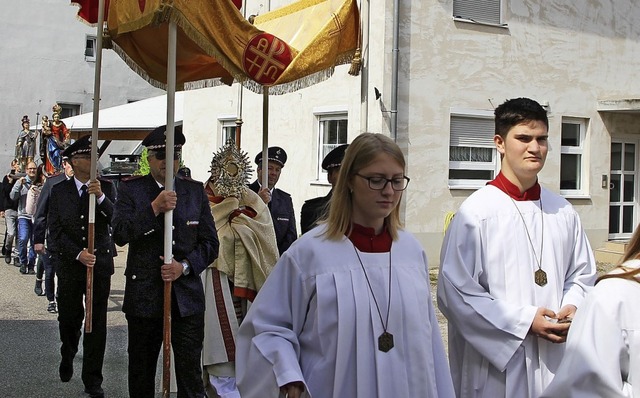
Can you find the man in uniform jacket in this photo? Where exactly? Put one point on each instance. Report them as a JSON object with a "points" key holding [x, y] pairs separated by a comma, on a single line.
{"points": [[40, 228], [279, 202], [67, 216], [139, 221], [317, 208]]}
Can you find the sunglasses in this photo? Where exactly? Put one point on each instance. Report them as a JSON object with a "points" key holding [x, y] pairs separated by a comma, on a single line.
{"points": [[162, 155]]}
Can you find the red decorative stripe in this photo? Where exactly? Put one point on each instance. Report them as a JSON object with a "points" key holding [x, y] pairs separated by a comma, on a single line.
{"points": [[243, 292], [225, 325]]}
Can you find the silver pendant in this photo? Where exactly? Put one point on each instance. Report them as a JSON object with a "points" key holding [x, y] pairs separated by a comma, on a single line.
{"points": [[540, 277], [385, 342]]}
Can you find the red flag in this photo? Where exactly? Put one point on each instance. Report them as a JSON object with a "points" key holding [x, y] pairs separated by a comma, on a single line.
{"points": [[237, 3], [89, 10]]}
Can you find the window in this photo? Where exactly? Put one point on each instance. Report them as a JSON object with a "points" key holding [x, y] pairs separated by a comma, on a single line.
{"points": [[332, 133], [90, 49], [69, 110], [571, 156], [473, 158], [228, 130], [486, 11]]}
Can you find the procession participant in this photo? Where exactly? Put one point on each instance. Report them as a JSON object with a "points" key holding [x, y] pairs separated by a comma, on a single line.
{"points": [[279, 202], [248, 252], [40, 232], [515, 263], [10, 212], [67, 221], [33, 196], [139, 221], [347, 311], [315, 209], [603, 345], [19, 192]]}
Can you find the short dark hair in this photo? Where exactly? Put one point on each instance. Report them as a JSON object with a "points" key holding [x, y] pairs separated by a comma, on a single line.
{"points": [[518, 111]]}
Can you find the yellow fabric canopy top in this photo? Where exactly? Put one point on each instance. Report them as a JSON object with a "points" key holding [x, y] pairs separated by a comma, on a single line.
{"points": [[303, 40]]}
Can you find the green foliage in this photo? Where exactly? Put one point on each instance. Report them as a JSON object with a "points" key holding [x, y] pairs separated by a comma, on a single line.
{"points": [[143, 164]]}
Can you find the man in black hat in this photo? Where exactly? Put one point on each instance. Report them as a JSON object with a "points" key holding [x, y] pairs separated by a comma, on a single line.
{"points": [[40, 232], [279, 202], [139, 221], [67, 221], [317, 208]]}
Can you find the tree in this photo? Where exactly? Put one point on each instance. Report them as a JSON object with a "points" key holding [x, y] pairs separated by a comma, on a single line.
{"points": [[143, 164]]}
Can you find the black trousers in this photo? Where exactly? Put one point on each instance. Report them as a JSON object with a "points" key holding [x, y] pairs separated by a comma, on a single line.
{"points": [[145, 341], [71, 313]]}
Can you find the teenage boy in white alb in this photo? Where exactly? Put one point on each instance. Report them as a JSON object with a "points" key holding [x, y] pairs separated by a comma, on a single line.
{"points": [[515, 265]]}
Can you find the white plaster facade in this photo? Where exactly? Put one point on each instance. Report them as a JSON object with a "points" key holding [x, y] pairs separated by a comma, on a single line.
{"points": [[577, 57], [571, 55], [42, 62]]}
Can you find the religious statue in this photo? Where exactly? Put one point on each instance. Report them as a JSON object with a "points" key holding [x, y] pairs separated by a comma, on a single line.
{"points": [[25, 144], [57, 137], [45, 131]]}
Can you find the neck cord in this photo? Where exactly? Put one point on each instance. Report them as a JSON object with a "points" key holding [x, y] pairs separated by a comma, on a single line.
{"points": [[384, 324], [540, 272]]}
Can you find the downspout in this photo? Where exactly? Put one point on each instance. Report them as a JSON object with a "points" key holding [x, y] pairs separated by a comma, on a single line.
{"points": [[364, 79], [394, 70]]}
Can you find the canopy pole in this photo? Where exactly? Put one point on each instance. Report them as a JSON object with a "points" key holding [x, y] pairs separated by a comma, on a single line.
{"points": [[239, 121], [168, 216], [238, 118], [88, 321], [265, 137]]}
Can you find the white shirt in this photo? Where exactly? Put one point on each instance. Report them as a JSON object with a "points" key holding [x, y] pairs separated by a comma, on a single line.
{"points": [[79, 186]]}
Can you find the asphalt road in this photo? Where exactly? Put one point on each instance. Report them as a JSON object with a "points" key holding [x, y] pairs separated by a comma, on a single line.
{"points": [[31, 347]]}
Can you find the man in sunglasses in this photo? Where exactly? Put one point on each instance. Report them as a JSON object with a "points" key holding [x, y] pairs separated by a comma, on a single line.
{"points": [[139, 221]]}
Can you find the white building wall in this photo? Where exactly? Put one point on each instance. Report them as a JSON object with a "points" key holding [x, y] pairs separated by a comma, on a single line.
{"points": [[569, 54], [42, 62]]}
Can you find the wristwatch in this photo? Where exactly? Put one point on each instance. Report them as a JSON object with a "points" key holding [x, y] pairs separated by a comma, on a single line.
{"points": [[186, 270]]}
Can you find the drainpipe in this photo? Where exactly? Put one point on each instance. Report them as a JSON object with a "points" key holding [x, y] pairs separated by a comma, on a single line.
{"points": [[394, 70], [364, 79]]}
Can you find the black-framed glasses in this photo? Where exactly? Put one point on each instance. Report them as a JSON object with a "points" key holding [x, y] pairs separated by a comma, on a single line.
{"points": [[379, 183], [162, 155]]}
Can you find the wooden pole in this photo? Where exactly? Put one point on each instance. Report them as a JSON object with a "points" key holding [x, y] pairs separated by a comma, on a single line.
{"points": [[88, 321], [265, 137], [241, 86], [168, 216]]}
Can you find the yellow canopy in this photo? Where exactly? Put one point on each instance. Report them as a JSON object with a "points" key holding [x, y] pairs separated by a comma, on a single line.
{"points": [[216, 41]]}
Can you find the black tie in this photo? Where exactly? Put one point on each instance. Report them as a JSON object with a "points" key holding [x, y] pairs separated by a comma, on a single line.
{"points": [[83, 195]]}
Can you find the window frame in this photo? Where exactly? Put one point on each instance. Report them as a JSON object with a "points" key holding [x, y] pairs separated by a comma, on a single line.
{"points": [[472, 12], [90, 54], [580, 150], [325, 115], [69, 109], [227, 123], [493, 166]]}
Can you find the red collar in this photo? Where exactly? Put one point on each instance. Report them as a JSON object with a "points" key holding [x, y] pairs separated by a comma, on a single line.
{"points": [[367, 241], [502, 183]]}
